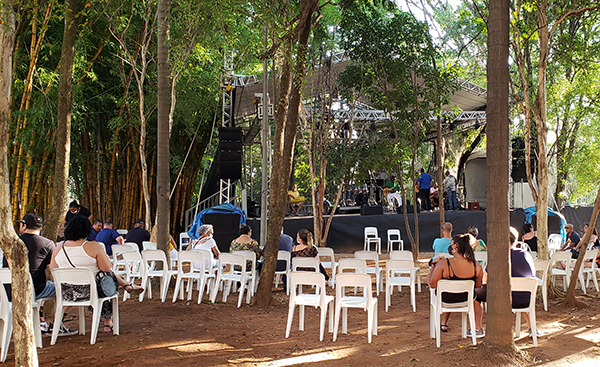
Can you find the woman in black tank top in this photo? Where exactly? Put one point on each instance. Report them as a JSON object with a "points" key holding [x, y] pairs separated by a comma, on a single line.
{"points": [[462, 266]]}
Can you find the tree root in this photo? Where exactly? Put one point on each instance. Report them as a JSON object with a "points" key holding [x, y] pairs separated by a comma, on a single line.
{"points": [[574, 303], [509, 356]]}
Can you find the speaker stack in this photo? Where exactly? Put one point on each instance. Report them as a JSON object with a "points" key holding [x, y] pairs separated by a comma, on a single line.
{"points": [[230, 150]]}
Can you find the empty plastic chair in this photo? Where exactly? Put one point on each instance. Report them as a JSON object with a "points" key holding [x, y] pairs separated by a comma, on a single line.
{"points": [[525, 285], [84, 277], [393, 237], [226, 273], [196, 273], [541, 266], [326, 253], [378, 271], [122, 232], [394, 270], [563, 258], [148, 245], [284, 256], [481, 258], [588, 271], [133, 269], [317, 299], [251, 274], [184, 240], [407, 255], [366, 302], [151, 258], [372, 237]]}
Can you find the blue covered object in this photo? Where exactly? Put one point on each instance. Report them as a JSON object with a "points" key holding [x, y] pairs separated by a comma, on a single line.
{"points": [[219, 209], [530, 212]]}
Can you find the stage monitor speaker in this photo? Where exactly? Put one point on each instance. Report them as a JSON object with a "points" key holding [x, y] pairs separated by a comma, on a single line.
{"points": [[409, 209], [371, 210]]}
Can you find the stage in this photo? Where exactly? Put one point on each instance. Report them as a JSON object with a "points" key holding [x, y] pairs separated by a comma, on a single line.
{"points": [[346, 231]]}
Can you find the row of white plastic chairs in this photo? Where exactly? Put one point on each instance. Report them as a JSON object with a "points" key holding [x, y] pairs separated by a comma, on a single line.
{"points": [[372, 237]]}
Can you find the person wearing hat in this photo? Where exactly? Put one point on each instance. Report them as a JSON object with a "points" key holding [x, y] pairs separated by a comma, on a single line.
{"points": [[138, 234]]}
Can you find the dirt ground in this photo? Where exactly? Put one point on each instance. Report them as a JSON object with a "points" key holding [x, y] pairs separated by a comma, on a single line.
{"points": [[187, 333]]}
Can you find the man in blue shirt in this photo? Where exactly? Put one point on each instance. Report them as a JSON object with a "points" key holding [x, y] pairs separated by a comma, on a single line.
{"points": [[424, 184], [96, 228], [108, 236]]}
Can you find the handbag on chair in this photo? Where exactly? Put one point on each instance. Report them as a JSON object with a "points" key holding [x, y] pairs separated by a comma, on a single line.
{"points": [[106, 281]]}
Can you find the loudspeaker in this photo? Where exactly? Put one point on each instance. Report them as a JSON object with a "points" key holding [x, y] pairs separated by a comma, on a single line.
{"points": [[371, 210], [518, 172], [230, 151], [226, 228], [409, 209]]}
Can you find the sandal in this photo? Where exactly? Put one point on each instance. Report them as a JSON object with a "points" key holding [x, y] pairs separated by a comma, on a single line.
{"points": [[444, 328], [108, 328], [133, 289]]}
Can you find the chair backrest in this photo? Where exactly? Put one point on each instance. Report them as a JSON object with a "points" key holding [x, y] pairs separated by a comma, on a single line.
{"points": [[232, 260], [455, 286], [481, 257], [554, 241], [525, 285], [590, 255], [401, 255], [399, 266], [393, 233], [354, 280], [184, 240], [148, 245], [368, 255], [285, 256], [541, 265], [305, 262], [133, 246], [250, 256], [560, 256], [194, 258], [122, 232], [307, 278], [522, 245], [349, 263], [75, 276], [6, 278], [326, 252], [371, 232], [119, 249], [156, 256], [5, 308]]}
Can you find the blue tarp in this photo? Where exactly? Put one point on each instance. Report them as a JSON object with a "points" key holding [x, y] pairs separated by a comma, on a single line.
{"points": [[530, 212], [219, 209]]}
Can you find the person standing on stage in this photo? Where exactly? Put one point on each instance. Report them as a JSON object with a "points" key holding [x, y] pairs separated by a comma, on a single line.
{"points": [[449, 184], [424, 184]]}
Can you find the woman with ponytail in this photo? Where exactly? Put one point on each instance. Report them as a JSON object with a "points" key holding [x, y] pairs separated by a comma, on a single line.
{"points": [[306, 248]]}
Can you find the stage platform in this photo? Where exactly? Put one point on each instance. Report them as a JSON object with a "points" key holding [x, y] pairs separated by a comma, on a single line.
{"points": [[346, 232]]}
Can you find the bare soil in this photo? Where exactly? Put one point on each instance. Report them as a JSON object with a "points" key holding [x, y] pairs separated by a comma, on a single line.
{"points": [[186, 333]]}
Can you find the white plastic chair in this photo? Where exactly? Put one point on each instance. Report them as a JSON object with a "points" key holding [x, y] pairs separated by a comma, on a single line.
{"points": [[122, 232], [149, 245], [555, 241], [305, 262], [133, 246], [372, 237], [481, 257], [252, 275], [367, 302], [184, 240], [525, 285], [378, 271], [565, 258], [589, 272], [317, 299], [327, 252], [133, 268], [228, 262], [393, 237], [199, 274], [151, 259], [522, 245], [393, 277], [437, 307], [542, 266], [407, 255], [284, 256], [118, 265], [356, 265], [81, 276]]}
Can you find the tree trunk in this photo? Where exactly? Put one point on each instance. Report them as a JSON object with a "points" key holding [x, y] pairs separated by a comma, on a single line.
{"points": [[285, 136], [499, 320], [570, 298], [14, 249], [163, 171], [63, 129]]}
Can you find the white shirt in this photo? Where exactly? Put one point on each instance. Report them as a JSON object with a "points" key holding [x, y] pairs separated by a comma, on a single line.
{"points": [[205, 243]]}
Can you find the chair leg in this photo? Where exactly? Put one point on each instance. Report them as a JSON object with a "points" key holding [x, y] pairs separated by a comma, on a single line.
{"points": [[36, 328], [202, 282], [518, 325], [330, 317], [289, 320], [375, 313], [344, 320], [177, 285], [81, 321], [388, 296], [301, 317], [215, 288], [95, 322], [472, 321], [412, 297], [322, 323], [336, 325], [369, 325], [6, 334], [533, 327]]}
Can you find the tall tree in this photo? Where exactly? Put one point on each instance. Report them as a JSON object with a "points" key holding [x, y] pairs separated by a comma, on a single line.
{"points": [[499, 321], [286, 124], [14, 249], [63, 128], [163, 171]]}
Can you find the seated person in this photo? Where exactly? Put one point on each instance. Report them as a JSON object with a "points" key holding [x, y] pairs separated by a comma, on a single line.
{"points": [[306, 248], [572, 242], [295, 200], [96, 228], [392, 193], [206, 242], [479, 244], [138, 234], [529, 236], [461, 267], [434, 196], [108, 236], [442, 244], [522, 266], [246, 243]]}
